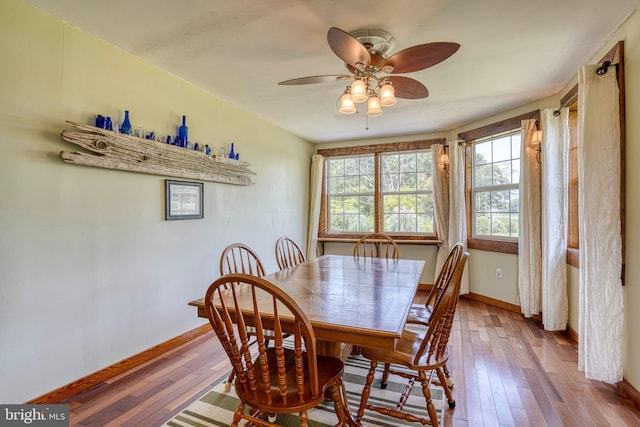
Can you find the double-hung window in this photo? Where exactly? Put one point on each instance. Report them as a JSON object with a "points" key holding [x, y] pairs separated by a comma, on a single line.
{"points": [[351, 194], [384, 188], [492, 184], [496, 177]]}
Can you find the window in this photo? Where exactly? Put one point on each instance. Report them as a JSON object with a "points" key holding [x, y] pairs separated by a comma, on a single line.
{"points": [[496, 177], [407, 192], [492, 184], [351, 182], [385, 188]]}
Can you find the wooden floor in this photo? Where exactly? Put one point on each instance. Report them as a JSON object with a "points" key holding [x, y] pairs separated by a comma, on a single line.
{"points": [[508, 372]]}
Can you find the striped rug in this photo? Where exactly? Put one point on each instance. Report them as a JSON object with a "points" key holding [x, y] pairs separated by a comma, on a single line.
{"points": [[216, 407]]}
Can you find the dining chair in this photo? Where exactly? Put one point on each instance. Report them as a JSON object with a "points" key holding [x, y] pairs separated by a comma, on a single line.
{"points": [[422, 355], [420, 313], [240, 258], [376, 245], [279, 379], [288, 253]]}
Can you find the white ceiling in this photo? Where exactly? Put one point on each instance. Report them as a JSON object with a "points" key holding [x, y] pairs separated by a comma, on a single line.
{"points": [[239, 51]]}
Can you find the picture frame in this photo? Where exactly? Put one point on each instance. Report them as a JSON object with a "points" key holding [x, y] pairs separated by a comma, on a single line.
{"points": [[183, 200]]}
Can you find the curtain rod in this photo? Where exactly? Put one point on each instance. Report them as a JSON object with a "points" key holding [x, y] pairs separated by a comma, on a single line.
{"points": [[602, 69]]}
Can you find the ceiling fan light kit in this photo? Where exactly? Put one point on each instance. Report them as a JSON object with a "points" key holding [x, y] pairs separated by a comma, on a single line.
{"points": [[363, 52]]}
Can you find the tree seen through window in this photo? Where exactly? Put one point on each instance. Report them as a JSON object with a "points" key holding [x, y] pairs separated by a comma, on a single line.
{"points": [[496, 178]]}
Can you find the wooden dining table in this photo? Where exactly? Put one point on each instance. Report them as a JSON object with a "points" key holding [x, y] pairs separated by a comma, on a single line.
{"points": [[350, 301]]}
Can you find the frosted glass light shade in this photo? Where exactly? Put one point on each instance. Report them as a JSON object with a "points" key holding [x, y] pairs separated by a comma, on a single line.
{"points": [[358, 91], [373, 107], [346, 104], [387, 96]]}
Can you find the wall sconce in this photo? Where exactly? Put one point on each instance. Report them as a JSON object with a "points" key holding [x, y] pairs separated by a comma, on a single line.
{"points": [[537, 141], [443, 161]]}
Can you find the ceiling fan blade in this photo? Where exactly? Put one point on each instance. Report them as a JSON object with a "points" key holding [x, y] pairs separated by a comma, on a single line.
{"points": [[419, 57], [348, 48], [315, 79], [408, 88]]}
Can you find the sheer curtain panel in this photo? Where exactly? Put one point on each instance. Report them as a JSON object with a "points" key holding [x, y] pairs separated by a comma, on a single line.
{"points": [[315, 193], [529, 244], [555, 181], [601, 296], [457, 204]]}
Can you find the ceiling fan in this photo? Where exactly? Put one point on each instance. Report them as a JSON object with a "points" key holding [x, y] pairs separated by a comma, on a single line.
{"points": [[364, 54]]}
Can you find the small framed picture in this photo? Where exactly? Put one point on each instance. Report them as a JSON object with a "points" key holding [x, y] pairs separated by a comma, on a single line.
{"points": [[183, 200]]}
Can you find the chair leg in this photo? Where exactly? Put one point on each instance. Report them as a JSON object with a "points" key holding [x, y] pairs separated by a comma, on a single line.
{"points": [[366, 391], [227, 385], [450, 382], [237, 416], [304, 417], [385, 376], [427, 395], [339, 397], [447, 389]]}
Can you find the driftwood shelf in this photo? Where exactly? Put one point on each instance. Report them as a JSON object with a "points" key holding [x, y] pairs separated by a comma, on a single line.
{"points": [[112, 150]]}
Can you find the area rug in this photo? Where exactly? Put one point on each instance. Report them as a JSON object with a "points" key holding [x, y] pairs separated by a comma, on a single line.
{"points": [[216, 407]]}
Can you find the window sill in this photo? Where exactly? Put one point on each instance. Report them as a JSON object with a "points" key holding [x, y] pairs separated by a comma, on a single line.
{"points": [[399, 241], [493, 245]]}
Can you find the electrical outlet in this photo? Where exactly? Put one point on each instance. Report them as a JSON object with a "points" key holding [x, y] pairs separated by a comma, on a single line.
{"points": [[498, 273]]}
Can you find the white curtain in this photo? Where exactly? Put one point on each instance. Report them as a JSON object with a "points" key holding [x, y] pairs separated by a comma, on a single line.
{"points": [[441, 204], [555, 182], [457, 204], [315, 193], [529, 244], [601, 296]]}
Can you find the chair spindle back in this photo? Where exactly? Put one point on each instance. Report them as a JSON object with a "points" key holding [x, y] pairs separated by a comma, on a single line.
{"points": [[240, 258], [268, 302], [437, 335], [376, 245], [288, 253]]}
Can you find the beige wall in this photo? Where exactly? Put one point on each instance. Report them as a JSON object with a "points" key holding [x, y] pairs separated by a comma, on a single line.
{"points": [[90, 273]]}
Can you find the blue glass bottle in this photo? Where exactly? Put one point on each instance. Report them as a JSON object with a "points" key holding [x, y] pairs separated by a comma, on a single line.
{"points": [[100, 121], [232, 154], [183, 132], [126, 124]]}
